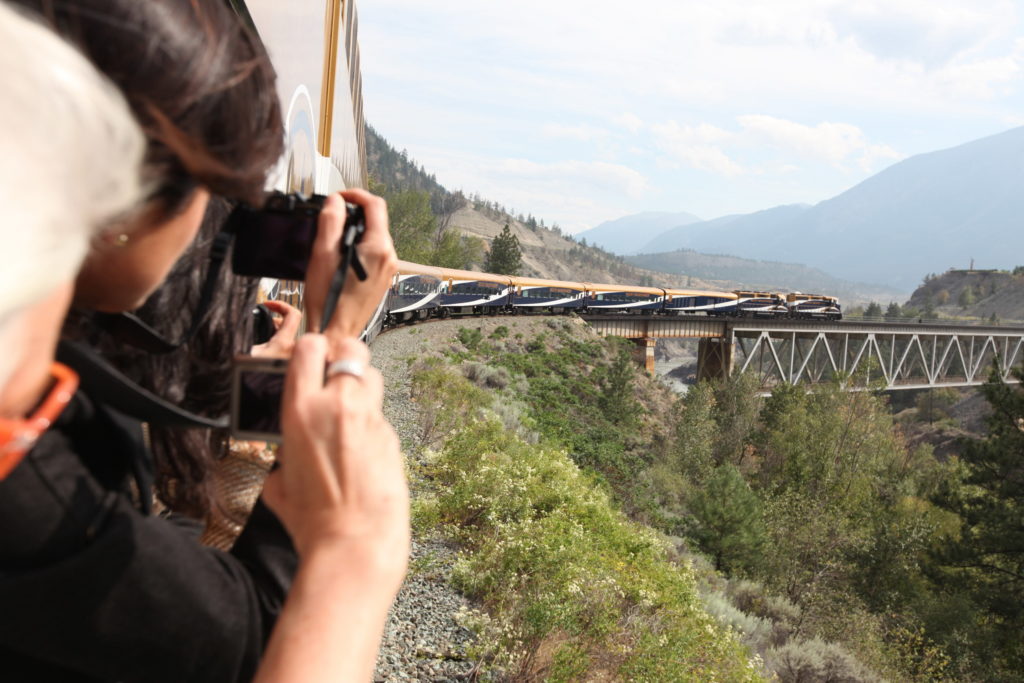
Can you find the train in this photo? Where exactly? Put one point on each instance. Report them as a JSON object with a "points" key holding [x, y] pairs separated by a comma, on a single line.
{"points": [[419, 292]]}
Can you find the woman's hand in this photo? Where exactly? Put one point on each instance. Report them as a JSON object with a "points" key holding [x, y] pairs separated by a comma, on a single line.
{"points": [[359, 299], [282, 343], [341, 493], [341, 483]]}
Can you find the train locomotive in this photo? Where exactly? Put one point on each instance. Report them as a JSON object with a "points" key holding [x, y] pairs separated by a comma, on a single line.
{"points": [[419, 292]]}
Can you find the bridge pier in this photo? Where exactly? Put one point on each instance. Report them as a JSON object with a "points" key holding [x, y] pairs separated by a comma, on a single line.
{"points": [[643, 353], [714, 359]]}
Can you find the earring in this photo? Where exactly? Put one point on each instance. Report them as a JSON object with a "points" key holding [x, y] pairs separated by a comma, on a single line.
{"points": [[121, 239]]}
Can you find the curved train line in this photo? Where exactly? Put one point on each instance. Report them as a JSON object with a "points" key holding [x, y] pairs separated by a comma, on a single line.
{"points": [[419, 292]]}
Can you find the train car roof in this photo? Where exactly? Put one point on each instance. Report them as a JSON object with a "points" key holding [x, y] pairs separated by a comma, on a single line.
{"points": [[409, 268], [809, 296], [749, 292], [455, 274], [539, 282], [700, 292], [623, 288]]}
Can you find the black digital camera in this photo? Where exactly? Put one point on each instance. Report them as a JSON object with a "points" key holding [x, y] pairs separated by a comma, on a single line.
{"points": [[276, 240]]}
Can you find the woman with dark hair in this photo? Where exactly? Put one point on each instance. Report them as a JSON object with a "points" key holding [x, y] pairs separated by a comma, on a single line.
{"points": [[92, 586]]}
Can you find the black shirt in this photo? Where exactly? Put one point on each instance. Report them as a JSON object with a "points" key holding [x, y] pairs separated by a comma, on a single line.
{"points": [[93, 589]]}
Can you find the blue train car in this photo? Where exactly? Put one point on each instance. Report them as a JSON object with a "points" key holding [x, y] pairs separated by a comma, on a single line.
{"points": [[467, 292], [695, 302], [533, 294], [757, 305], [623, 298], [415, 293], [818, 306]]}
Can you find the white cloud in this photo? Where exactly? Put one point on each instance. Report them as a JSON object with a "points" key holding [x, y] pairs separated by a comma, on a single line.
{"points": [[710, 148], [697, 146], [631, 122], [583, 132], [597, 175], [931, 32]]}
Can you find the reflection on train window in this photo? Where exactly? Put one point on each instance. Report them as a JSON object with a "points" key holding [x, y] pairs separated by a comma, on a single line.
{"points": [[476, 288], [418, 285], [624, 297]]}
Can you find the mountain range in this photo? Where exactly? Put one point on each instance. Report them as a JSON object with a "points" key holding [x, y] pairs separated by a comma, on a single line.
{"points": [[924, 214]]}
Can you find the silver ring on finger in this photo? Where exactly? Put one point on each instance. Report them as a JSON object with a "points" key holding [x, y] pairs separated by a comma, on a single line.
{"points": [[346, 367]]}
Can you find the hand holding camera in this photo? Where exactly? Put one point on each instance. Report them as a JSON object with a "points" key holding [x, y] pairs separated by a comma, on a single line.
{"points": [[341, 478], [359, 298]]}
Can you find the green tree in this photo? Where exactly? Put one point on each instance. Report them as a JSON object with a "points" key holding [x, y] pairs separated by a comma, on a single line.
{"points": [[893, 312], [457, 251], [726, 520], [735, 414], [412, 224], [987, 556], [617, 399], [873, 310], [505, 256], [695, 430]]}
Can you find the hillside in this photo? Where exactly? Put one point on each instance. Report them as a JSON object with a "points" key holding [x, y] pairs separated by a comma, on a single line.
{"points": [[926, 213], [979, 294]]}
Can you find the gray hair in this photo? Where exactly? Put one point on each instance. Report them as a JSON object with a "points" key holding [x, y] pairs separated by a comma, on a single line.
{"points": [[70, 162]]}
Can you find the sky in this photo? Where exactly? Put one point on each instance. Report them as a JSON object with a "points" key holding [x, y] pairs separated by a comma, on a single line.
{"points": [[583, 111]]}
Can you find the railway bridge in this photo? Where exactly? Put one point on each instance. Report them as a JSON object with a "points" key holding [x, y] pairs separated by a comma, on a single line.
{"points": [[903, 354]]}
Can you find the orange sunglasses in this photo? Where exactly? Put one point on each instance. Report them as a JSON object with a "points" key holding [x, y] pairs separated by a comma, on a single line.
{"points": [[18, 436]]}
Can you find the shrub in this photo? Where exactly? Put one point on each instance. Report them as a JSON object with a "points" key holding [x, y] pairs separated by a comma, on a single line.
{"points": [[487, 376], [756, 633], [815, 661], [443, 399], [470, 337], [752, 598]]}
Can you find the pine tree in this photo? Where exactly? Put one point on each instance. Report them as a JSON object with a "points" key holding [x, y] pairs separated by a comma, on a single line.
{"points": [[987, 557], [727, 520], [505, 256]]}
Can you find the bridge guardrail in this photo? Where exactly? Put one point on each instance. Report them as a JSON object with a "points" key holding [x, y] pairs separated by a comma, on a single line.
{"points": [[948, 322]]}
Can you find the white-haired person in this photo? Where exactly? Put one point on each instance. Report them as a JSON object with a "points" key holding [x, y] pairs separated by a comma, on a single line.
{"points": [[71, 162]]}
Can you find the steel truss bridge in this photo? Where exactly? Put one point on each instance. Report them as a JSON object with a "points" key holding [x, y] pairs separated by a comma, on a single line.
{"points": [[887, 355]]}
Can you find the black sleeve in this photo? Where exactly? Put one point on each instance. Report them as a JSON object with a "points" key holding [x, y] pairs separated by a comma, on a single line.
{"points": [[266, 550], [89, 584]]}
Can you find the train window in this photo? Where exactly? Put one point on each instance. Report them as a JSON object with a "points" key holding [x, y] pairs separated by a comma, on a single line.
{"points": [[418, 285]]}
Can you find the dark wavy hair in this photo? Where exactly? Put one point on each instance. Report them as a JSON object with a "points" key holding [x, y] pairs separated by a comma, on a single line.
{"points": [[199, 82], [203, 89]]}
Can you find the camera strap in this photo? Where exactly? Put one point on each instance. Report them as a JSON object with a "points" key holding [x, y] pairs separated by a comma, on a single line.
{"points": [[349, 259], [103, 382], [132, 330]]}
